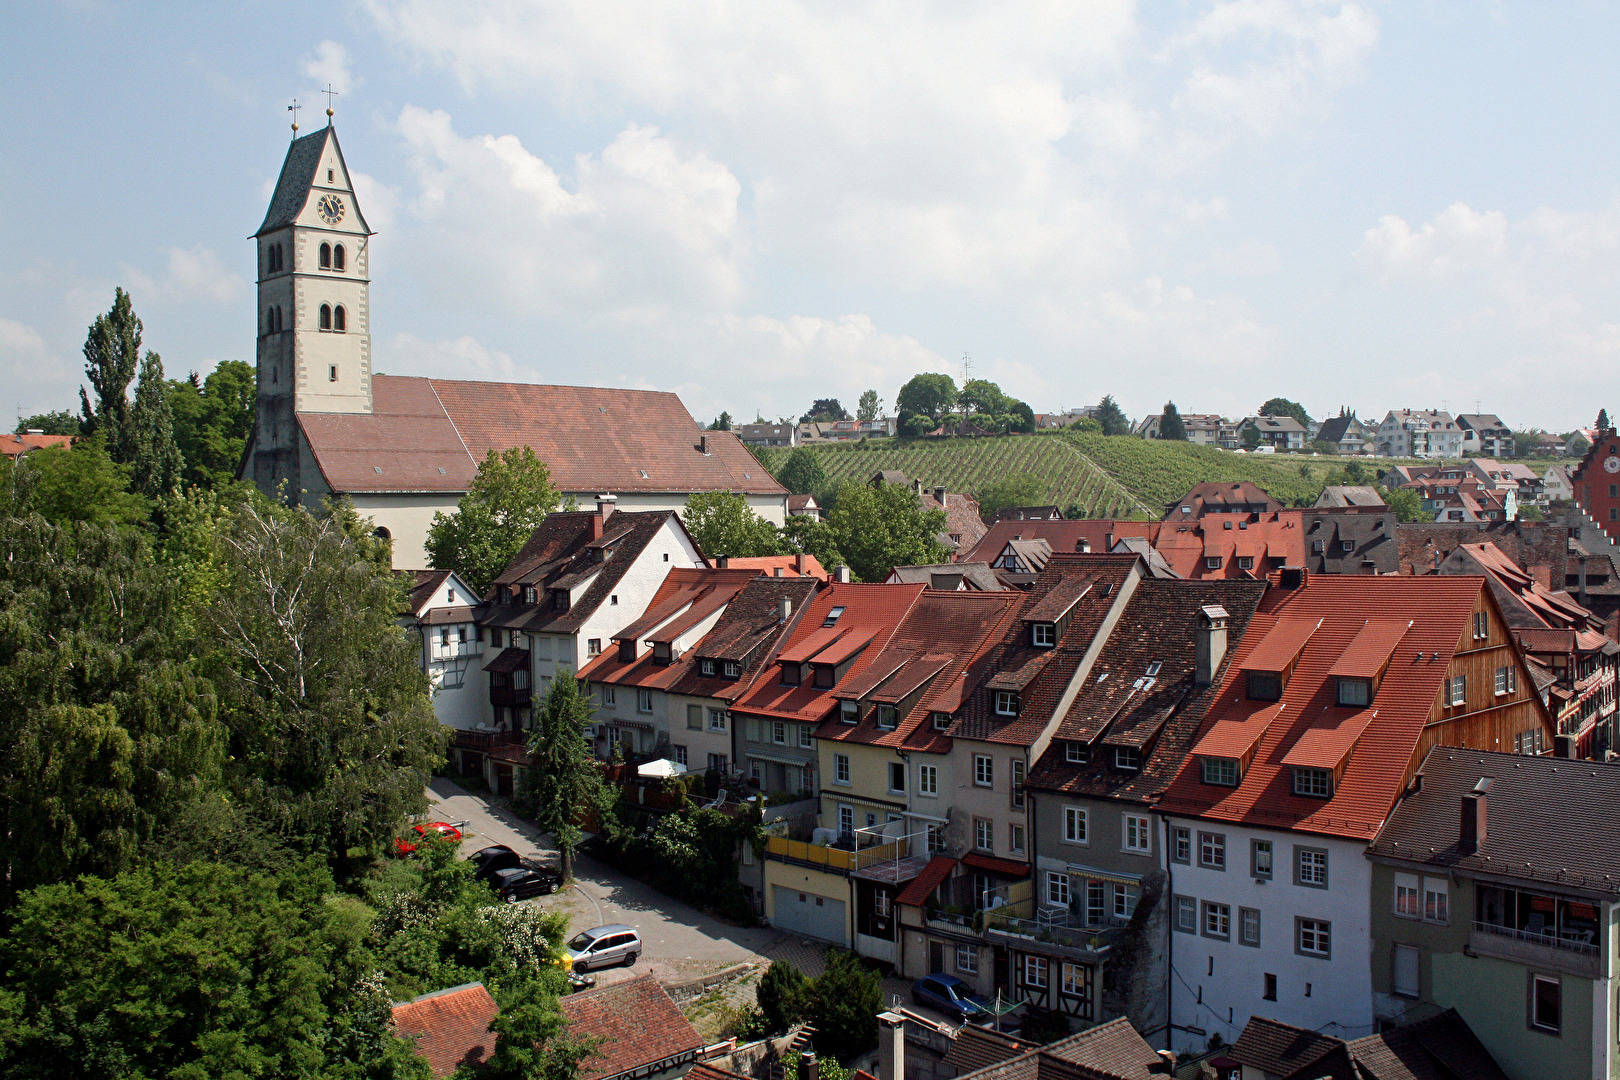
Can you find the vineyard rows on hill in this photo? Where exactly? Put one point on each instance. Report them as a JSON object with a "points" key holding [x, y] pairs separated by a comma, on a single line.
{"points": [[1117, 477]]}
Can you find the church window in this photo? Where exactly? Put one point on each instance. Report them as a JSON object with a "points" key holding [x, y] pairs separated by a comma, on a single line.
{"points": [[326, 316], [326, 256], [278, 316], [337, 257], [269, 320], [328, 176], [331, 373], [340, 320]]}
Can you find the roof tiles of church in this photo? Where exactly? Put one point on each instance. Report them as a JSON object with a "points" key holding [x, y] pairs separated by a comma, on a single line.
{"points": [[428, 435]]}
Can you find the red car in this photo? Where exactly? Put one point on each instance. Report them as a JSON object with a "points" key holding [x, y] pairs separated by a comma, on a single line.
{"points": [[405, 846]]}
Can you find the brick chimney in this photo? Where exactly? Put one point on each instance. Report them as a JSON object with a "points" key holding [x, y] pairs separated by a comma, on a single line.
{"points": [[703, 444], [722, 561], [798, 563], [1472, 832], [891, 1046], [605, 504]]}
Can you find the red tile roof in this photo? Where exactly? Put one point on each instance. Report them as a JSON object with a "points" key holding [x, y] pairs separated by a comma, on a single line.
{"points": [[789, 565], [450, 1027], [1222, 496], [1004, 867], [638, 1023], [1281, 645], [1059, 535], [1439, 609], [1370, 650], [916, 893], [871, 610], [15, 446], [430, 434], [685, 597]]}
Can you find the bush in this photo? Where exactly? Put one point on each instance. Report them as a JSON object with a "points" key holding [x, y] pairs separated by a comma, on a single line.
{"points": [[784, 997], [844, 1004]]}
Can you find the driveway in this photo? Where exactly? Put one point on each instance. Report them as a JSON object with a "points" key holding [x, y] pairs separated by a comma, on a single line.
{"points": [[680, 941]]}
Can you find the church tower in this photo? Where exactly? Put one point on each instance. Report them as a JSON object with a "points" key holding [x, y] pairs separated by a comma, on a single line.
{"points": [[314, 317]]}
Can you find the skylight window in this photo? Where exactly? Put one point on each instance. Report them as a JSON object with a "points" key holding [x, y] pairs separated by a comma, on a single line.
{"points": [[643, 473], [1153, 668], [834, 615]]}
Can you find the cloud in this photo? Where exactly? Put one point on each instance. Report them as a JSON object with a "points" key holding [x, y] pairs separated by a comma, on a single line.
{"points": [[645, 226], [1458, 238], [329, 64], [47, 378], [193, 274], [466, 356]]}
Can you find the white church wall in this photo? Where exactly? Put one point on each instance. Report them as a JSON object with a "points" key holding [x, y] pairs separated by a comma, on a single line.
{"points": [[407, 518]]}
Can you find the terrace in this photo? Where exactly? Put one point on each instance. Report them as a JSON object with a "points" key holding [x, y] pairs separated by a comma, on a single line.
{"points": [[1537, 928]]}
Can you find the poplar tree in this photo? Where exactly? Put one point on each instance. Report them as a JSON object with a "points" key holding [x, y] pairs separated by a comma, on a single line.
{"points": [[563, 781], [155, 457], [111, 353]]}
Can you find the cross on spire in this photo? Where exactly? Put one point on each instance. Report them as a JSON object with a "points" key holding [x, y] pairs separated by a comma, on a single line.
{"points": [[293, 108], [330, 94]]}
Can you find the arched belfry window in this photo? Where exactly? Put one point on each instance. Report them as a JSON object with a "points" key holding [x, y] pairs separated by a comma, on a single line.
{"points": [[337, 257], [326, 316], [270, 320], [326, 256], [340, 319]]}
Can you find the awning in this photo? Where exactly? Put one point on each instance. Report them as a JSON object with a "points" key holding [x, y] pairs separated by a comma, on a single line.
{"points": [[992, 865], [1091, 874], [658, 770], [780, 759], [508, 661]]}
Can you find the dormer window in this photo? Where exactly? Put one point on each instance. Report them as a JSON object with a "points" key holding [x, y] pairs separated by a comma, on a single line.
{"points": [[1076, 753], [1313, 783], [942, 721], [661, 652], [833, 616], [706, 667], [1221, 770], [792, 674], [1043, 635], [528, 594], [559, 599], [887, 717], [826, 676], [627, 651], [1264, 686], [1127, 759], [1006, 703], [1213, 562], [1354, 692], [731, 669], [1245, 562], [849, 712]]}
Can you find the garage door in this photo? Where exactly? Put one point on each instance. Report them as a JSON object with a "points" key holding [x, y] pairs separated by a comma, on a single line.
{"points": [[808, 914]]}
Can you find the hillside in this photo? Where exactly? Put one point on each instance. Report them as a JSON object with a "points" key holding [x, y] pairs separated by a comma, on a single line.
{"points": [[1120, 476]]}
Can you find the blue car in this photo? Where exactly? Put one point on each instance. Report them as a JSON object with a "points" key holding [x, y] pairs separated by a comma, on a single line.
{"points": [[951, 996]]}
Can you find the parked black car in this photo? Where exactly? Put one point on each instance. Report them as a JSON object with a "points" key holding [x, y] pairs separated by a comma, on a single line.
{"points": [[488, 860], [519, 883]]}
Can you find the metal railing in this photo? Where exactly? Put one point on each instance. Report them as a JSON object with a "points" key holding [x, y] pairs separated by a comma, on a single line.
{"points": [[1059, 928], [1549, 939]]}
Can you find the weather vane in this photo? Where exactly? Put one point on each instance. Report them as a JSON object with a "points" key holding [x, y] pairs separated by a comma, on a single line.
{"points": [[293, 108], [330, 94]]}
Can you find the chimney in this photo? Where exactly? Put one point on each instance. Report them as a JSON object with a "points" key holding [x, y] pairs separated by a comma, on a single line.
{"points": [[916, 486], [1291, 577], [1471, 833], [703, 444], [1211, 640], [798, 563], [1166, 1065], [891, 1046], [784, 608], [807, 1066], [840, 574], [722, 561], [1564, 746], [1082, 545], [605, 504], [939, 494]]}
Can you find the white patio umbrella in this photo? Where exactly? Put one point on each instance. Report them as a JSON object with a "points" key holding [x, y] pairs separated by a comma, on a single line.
{"points": [[658, 770]]}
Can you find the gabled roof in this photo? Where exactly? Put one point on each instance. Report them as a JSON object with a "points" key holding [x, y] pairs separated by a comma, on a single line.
{"points": [[15, 446], [1439, 610], [1098, 533], [424, 583], [974, 575], [1548, 820], [561, 553], [1221, 496], [1350, 495], [429, 435], [450, 1027], [916, 892], [933, 649], [638, 1023], [1109, 1051], [870, 611], [298, 177], [685, 598], [1286, 1051], [1160, 716], [782, 565], [1442, 1047], [1542, 546], [1041, 676], [1526, 603], [1333, 429]]}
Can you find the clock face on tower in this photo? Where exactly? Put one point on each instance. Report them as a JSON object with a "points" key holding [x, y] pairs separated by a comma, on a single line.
{"points": [[331, 209], [1611, 464]]}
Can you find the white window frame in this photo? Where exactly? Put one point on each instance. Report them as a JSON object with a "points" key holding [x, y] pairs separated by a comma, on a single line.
{"points": [[1212, 850], [1249, 918], [1408, 900], [887, 717], [1311, 867], [1043, 635], [1006, 703], [1312, 783], [644, 702], [1436, 901], [717, 720], [967, 959], [1215, 920], [779, 732], [1057, 888], [1457, 691], [984, 835], [608, 696], [1015, 838], [1319, 933], [1016, 770], [1125, 897], [1407, 956], [1075, 753], [807, 739], [1185, 915], [1076, 825], [928, 781], [1136, 835], [841, 769], [1035, 971], [984, 771]]}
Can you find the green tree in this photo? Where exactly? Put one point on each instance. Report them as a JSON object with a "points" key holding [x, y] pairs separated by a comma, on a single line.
{"points": [[802, 473], [1407, 505], [1089, 425], [532, 1040], [79, 483], [1278, 406], [811, 536], [213, 418], [562, 781], [723, 524], [1019, 489], [844, 1004], [983, 397], [880, 528], [332, 731], [1250, 436], [784, 996], [929, 395], [1112, 417], [1170, 425], [824, 410], [1602, 420], [508, 499], [156, 465], [1530, 512], [870, 406], [721, 422], [111, 352], [193, 971], [60, 422]]}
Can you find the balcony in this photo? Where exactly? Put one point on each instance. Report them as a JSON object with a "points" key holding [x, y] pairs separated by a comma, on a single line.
{"points": [[488, 740], [454, 650], [509, 696], [892, 862], [1052, 933], [1570, 954]]}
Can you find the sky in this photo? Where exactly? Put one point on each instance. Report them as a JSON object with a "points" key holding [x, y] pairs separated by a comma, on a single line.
{"points": [[1349, 204]]}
